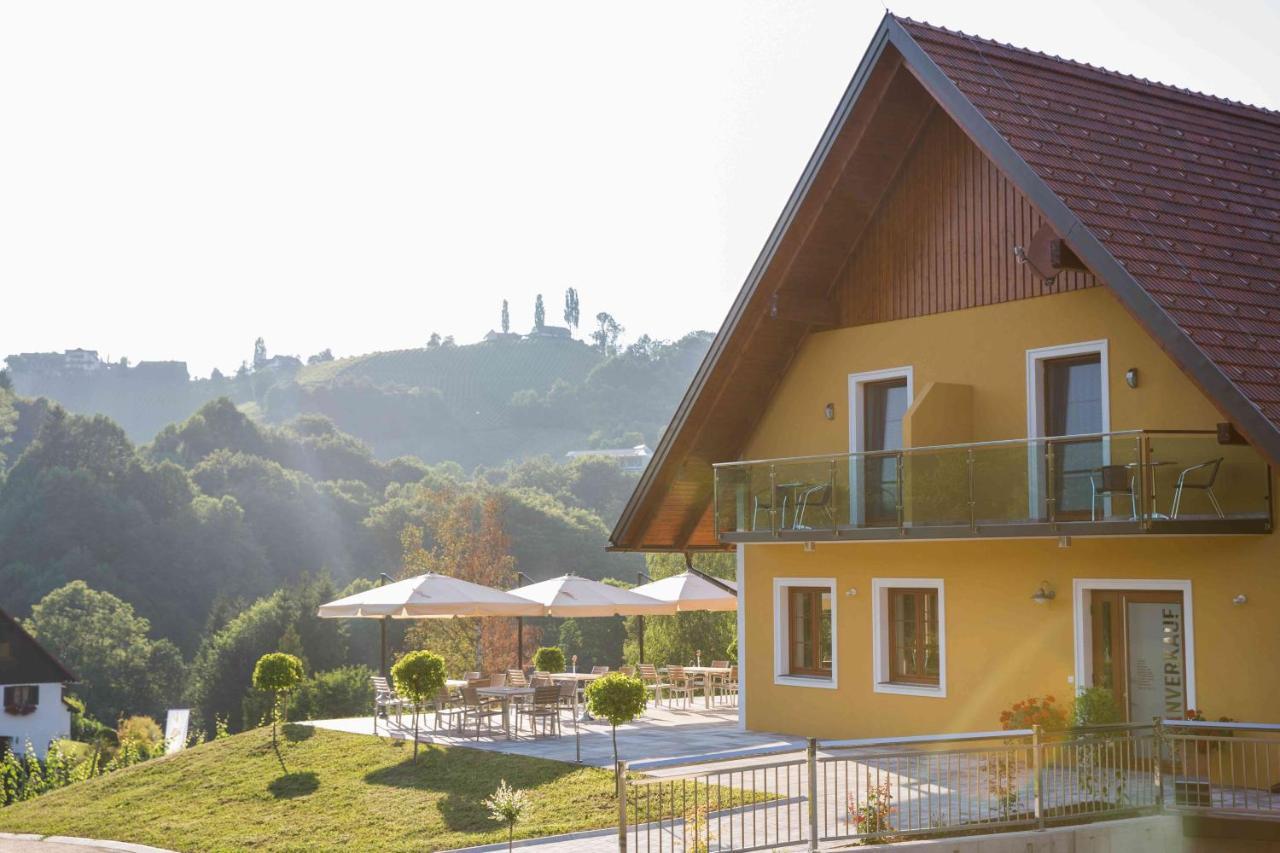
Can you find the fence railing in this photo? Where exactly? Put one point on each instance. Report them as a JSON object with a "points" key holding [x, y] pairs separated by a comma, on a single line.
{"points": [[881, 789]]}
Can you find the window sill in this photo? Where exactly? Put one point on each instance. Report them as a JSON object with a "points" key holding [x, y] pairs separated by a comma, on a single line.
{"points": [[818, 681], [934, 691]]}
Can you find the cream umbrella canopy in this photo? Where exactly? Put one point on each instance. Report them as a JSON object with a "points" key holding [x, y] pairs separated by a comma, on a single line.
{"points": [[570, 595], [429, 596], [692, 591]]}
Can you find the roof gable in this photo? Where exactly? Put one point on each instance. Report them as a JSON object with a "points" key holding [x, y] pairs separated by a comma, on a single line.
{"points": [[1171, 198], [25, 661]]}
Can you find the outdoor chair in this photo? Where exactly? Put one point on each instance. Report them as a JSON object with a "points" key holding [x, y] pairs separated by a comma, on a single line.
{"points": [[716, 679], [763, 503], [649, 675], [628, 671], [498, 679], [478, 708], [568, 698], [544, 706], [1112, 480], [679, 684], [384, 699], [540, 679], [471, 676], [599, 670], [1200, 477], [449, 712], [817, 496], [728, 685], [515, 678]]}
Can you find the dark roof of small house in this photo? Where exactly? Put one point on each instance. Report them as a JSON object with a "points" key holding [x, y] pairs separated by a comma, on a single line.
{"points": [[25, 661], [1170, 197]]}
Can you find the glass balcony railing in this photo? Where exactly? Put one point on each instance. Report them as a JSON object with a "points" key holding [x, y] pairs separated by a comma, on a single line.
{"points": [[1124, 482]]}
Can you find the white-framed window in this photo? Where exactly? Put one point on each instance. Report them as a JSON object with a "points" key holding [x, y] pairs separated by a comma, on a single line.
{"points": [[804, 632], [909, 636]]}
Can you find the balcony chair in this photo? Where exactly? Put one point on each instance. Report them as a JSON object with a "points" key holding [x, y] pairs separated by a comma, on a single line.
{"points": [[544, 706], [820, 496], [763, 502], [1199, 477], [1108, 481]]}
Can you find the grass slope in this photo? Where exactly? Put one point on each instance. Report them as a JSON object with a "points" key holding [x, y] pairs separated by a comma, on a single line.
{"points": [[342, 792]]}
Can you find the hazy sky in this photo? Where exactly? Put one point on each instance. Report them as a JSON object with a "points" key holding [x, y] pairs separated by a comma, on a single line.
{"points": [[178, 178]]}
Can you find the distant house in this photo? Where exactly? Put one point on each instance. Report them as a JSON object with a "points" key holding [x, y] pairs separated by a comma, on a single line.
{"points": [[81, 359], [501, 336], [31, 680], [550, 332], [630, 458]]}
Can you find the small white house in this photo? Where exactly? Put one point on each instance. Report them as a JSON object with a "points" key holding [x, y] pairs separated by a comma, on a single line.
{"points": [[632, 459], [31, 681]]}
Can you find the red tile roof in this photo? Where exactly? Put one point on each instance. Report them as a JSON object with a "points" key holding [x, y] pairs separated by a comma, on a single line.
{"points": [[1182, 188]]}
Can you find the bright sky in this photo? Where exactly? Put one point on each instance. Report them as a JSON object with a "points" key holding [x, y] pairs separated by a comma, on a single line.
{"points": [[179, 178]]}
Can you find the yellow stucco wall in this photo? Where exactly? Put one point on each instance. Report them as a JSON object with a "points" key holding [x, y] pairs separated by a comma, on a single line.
{"points": [[1001, 647]]}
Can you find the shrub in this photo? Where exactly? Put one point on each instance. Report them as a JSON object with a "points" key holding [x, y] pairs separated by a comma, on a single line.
{"points": [[143, 733], [507, 805], [1096, 706], [549, 659], [418, 676], [277, 674], [1044, 712], [617, 698]]}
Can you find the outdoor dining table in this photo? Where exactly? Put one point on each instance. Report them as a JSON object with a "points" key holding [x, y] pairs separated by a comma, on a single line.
{"points": [[506, 694], [707, 672], [582, 678]]}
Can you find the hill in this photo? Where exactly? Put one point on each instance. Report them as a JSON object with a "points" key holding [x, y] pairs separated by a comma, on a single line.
{"points": [[341, 792]]}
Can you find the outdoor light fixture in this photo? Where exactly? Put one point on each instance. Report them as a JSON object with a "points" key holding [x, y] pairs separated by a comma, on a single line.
{"points": [[1044, 594], [850, 592], [1240, 599], [808, 547], [830, 411], [1131, 377], [1064, 541]]}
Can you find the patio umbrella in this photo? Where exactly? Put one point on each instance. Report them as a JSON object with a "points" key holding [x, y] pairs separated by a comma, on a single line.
{"points": [[429, 596], [690, 591], [570, 595]]}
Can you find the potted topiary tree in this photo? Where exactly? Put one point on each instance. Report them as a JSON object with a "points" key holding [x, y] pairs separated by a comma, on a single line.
{"points": [[507, 805], [617, 698], [418, 676], [277, 673], [549, 659]]}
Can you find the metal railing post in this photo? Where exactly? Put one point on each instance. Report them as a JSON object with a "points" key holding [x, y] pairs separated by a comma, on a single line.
{"points": [[773, 501], [621, 772], [1051, 487], [973, 512], [811, 761], [1037, 764], [902, 517], [1157, 734]]}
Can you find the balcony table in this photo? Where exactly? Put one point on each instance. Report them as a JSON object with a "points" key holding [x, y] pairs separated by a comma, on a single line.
{"points": [[505, 694], [1153, 464]]}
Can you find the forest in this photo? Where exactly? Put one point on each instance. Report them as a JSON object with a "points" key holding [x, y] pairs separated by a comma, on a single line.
{"points": [[196, 552]]}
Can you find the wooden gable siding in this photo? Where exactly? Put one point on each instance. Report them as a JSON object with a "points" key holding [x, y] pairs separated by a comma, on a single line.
{"points": [[942, 238]]}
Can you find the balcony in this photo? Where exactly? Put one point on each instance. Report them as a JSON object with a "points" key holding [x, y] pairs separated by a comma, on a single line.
{"points": [[1122, 483]]}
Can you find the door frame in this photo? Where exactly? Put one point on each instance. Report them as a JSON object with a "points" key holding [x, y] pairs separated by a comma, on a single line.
{"points": [[1035, 411], [857, 424], [1083, 628]]}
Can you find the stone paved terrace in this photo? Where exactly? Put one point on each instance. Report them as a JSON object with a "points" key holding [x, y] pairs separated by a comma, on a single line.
{"points": [[662, 733]]}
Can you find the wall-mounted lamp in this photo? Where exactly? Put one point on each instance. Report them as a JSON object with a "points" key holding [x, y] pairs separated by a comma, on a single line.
{"points": [[1064, 541], [1131, 377], [1044, 594], [850, 592], [808, 547], [1240, 599], [830, 411]]}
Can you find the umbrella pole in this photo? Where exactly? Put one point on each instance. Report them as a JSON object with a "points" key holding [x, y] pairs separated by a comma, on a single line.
{"points": [[640, 625], [519, 642], [383, 625]]}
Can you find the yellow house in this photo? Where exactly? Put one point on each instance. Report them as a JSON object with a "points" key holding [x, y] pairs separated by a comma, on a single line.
{"points": [[993, 414]]}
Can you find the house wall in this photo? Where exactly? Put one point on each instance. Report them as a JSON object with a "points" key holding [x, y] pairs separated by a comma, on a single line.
{"points": [[1001, 647], [50, 720]]}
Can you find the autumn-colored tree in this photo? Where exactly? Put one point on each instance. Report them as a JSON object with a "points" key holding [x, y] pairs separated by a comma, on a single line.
{"points": [[461, 535]]}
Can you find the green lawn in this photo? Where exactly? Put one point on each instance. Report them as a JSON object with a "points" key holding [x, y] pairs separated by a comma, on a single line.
{"points": [[341, 791]]}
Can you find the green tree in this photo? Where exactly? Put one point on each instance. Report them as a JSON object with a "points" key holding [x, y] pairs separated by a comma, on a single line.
{"points": [[507, 806], [607, 332], [617, 698], [121, 669], [572, 312], [259, 354], [506, 318], [539, 313], [418, 676], [278, 674]]}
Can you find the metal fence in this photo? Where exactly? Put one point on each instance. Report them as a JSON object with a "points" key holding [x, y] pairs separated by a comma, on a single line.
{"points": [[940, 785]]}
